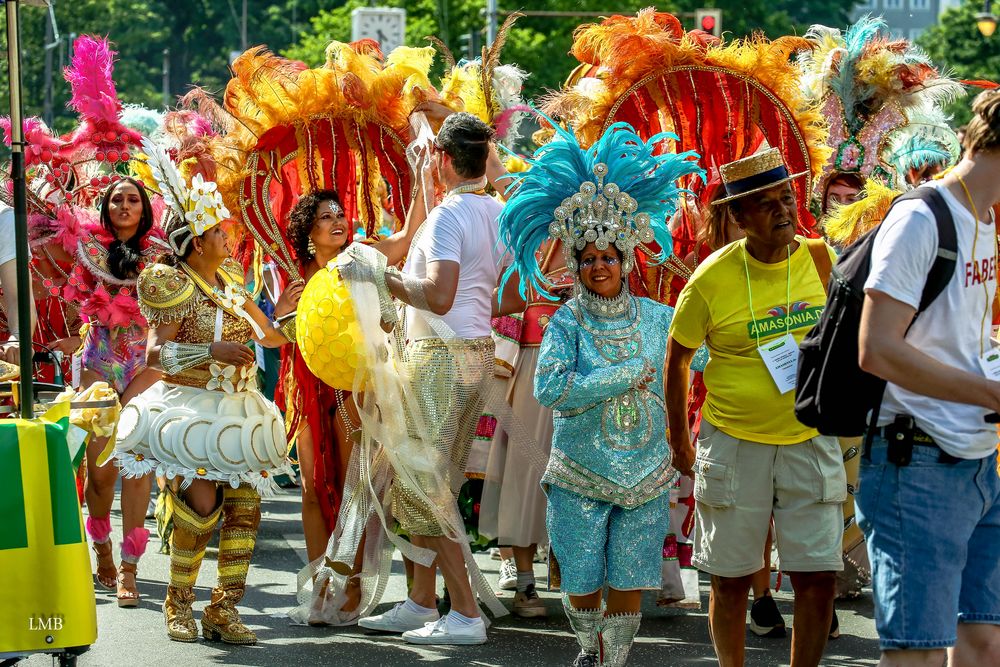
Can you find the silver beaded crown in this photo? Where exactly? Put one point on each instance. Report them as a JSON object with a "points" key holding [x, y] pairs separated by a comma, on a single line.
{"points": [[600, 214]]}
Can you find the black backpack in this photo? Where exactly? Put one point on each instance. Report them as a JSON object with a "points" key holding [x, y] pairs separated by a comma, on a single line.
{"points": [[832, 393]]}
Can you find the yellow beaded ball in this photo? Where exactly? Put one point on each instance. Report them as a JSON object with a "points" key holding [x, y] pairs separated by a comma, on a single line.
{"points": [[327, 331]]}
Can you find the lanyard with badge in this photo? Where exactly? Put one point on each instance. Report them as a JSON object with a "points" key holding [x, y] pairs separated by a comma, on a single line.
{"points": [[781, 355], [989, 356]]}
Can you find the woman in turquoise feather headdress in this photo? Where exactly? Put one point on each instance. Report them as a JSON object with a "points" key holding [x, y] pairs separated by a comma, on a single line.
{"points": [[600, 369]]}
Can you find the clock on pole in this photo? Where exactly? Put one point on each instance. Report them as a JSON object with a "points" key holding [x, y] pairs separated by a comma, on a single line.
{"points": [[386, 25]]}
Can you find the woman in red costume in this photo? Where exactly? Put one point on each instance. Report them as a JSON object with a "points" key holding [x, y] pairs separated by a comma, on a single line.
{"points": [[319, 418], [110, 258]]}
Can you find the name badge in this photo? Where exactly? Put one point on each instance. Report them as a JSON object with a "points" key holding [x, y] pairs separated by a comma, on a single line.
{"points": [[781, 356], [990, 363], [75, 370], [258, 350]]}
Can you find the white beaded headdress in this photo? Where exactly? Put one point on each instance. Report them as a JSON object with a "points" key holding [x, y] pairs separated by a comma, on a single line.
{"points": [[603, 215]]}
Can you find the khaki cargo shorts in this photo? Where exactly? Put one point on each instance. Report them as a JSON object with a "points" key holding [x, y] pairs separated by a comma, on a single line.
{"points": [[740, 485]]}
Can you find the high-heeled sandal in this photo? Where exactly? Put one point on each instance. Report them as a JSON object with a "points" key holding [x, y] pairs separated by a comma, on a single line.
{"points": [[128, 596], [106, 570], [352, 594]]}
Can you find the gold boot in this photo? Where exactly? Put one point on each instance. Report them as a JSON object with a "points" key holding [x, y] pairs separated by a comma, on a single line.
{"points": [[240, 519], [190, 536]]}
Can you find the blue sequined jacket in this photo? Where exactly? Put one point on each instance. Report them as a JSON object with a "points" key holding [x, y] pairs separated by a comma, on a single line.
{"points": [[610, 437]]}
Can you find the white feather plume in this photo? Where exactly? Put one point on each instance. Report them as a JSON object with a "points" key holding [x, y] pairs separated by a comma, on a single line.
{"points": [[168, 179], [508, 81]]}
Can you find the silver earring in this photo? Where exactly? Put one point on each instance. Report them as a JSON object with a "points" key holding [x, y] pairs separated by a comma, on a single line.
{"points": [[311, 247]]}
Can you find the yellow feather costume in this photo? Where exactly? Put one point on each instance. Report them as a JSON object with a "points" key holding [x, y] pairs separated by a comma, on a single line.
{"points": [[847, 223], [343, 125], [624, 53]]}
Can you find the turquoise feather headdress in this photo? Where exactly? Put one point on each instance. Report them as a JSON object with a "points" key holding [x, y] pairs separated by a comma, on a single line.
{"points": [[927, 139], [615, 192]]}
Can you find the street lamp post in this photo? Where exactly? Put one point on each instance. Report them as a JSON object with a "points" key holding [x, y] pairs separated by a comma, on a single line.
{"points": [[985, 20], [491, 22]]}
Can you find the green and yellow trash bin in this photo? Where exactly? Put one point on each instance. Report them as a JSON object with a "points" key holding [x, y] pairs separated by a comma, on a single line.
{"points": [[48, 591]]}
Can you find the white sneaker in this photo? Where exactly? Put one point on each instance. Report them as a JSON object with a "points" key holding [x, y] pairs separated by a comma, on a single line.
{"points": [[398, 619], [508, 575], [442, 632]]}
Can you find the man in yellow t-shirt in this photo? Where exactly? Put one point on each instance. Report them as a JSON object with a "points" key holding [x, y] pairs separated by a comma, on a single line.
{"points": [[752, 302]]}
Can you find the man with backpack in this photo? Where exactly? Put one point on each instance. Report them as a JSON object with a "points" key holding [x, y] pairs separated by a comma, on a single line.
{"points": [[929, 498]]}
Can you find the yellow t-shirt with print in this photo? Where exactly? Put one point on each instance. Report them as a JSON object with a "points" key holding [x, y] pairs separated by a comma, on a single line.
{"points": [[743, 400]]}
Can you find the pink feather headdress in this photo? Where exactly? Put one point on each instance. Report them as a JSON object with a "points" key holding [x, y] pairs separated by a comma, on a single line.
{"points": [[95, 98], [42, 146]]}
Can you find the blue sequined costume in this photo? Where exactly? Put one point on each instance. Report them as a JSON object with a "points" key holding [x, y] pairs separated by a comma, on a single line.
{"points": [[609, 470]]}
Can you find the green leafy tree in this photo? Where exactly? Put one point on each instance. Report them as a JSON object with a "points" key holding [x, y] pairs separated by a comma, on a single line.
{"points": [[199, 34], [775, 18], [136, 28], [541, 45], [956, 45]]}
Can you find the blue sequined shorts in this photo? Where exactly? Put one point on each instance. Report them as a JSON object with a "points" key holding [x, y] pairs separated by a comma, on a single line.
{"points": [[597, 542]]}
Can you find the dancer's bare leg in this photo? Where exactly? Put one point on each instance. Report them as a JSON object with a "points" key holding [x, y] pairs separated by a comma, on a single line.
{"points": [[623, 602], [313, 524], [456, 578], [589, 601], [135, 491], [99, 493], [134, 503]]}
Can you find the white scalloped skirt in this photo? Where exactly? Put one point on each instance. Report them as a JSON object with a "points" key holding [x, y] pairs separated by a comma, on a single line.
{"points": [[177, 431]]}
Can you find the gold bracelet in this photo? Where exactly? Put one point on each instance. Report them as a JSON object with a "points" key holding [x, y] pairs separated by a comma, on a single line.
{"points": [[287, 327]]}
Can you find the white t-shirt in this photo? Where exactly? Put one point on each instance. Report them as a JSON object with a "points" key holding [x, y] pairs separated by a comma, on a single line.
{"points": [[953, 327], [8, 249], [463, 229]]}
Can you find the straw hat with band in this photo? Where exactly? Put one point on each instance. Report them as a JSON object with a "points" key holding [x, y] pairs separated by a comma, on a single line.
{"points": [[754, 173]]}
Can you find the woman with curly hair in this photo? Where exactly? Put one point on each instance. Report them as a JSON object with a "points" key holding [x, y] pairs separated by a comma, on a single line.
{"points": [[110, 258], [320, 419]]}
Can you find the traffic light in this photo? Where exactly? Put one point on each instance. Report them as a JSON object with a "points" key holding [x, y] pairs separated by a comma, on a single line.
{"points": [[472, 44], [708, 20]]}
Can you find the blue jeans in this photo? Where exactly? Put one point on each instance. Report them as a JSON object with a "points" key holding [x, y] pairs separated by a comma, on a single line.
{"points": [[933, 533]]}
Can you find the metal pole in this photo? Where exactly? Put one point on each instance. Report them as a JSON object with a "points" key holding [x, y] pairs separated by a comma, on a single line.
{"points": [[20, 210], [166, 78], [243, 27], [491, 22], [50, 39]]}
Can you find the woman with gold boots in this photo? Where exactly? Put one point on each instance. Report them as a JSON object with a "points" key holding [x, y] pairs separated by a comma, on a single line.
{"points": [[206, 421]]}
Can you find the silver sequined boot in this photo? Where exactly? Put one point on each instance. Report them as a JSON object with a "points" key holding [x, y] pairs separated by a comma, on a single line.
{"points": [[617, 635], [586, 624]]}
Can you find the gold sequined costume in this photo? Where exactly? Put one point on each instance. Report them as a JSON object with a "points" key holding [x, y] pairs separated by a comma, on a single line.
{"points": [[206, 422], [447, 381], [209, 421]]}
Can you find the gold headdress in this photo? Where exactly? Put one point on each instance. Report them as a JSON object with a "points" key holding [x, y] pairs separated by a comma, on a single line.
{"points": [[297, 129], [485, 88], [722, 101]]}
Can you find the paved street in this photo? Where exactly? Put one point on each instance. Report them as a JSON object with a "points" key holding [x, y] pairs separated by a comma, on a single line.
{"points": [[667, 637]]}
